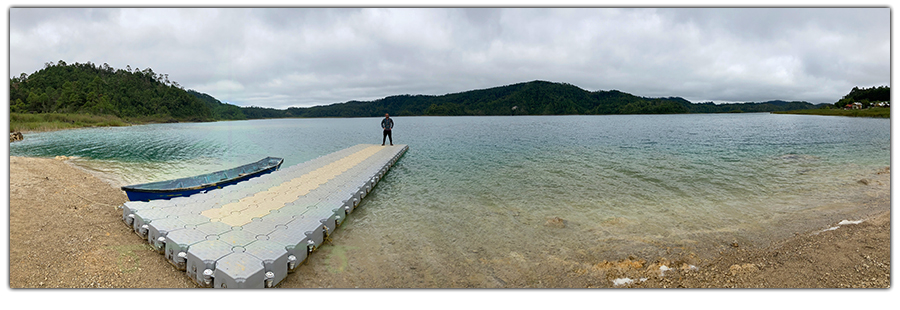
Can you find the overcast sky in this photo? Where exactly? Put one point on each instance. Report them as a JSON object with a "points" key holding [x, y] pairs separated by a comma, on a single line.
{"points": [[314, 56]]}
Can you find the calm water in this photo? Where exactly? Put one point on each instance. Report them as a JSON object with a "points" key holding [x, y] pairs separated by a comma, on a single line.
{"points": [[623, 184]]}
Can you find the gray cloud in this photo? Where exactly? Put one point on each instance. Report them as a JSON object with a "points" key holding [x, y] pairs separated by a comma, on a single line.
{"points": [[312, 56]]}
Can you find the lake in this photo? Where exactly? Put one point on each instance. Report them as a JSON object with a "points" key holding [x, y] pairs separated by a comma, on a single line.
{"points": [[483, 190]]}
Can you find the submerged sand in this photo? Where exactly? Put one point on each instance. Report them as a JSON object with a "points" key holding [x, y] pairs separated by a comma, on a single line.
{"points": [[66, 232]]}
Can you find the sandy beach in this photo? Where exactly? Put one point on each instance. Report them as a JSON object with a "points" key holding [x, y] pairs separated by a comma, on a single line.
{"points": [[66, 232]]}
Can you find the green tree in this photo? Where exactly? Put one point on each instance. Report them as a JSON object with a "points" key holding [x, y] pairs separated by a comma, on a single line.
{"points": [[87, 88]]}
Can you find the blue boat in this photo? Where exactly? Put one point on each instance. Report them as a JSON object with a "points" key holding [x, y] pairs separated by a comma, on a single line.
{"points": [[201, 183]]}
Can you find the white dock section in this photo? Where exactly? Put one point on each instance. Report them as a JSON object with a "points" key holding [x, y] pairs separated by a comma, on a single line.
{"points": [[252, 234]]}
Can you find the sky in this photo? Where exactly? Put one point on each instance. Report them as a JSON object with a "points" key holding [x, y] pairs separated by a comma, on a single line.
{"points": [[301, 57]]}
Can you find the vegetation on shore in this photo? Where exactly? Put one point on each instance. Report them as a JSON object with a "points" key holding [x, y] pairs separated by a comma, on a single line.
{"points": [[860, 102], [134, 94], [64, 95], [870, 112], [865, 96], [57, 121], [533, 98]]}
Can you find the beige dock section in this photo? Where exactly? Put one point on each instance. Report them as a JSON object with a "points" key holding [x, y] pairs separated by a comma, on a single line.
{"points": [[253, 233]]}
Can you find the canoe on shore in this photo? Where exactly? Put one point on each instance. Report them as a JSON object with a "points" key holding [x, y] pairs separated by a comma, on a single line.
{"points": [[200, 183]]}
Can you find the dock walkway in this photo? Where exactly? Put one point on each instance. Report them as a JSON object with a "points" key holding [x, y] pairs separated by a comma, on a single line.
{"points": [[252, 234]]}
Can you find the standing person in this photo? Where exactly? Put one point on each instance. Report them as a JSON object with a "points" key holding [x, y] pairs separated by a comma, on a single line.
{"points": [[387, 124]]}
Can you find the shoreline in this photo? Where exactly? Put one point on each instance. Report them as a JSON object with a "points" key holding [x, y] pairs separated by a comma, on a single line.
{"points": [[66, 231], [820, 112], [871, 112]]}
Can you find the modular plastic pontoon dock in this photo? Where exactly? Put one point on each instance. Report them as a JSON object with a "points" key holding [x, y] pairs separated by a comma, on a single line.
{"points": [[252, 234]]}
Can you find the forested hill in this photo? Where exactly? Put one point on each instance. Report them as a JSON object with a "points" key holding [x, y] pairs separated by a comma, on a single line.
{"points": [[220, 111], [134, 93], [865, 96], [103, 90], [533, 98]]}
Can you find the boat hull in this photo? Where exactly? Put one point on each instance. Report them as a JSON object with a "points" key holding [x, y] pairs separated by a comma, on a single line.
{"points": [[202, 183]]}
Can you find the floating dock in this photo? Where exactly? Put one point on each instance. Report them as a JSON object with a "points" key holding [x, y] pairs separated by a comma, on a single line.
{"points": [[252, 234]]}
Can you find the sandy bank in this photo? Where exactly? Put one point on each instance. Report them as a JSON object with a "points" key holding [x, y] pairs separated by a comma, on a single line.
{"points": [[65, 231]]}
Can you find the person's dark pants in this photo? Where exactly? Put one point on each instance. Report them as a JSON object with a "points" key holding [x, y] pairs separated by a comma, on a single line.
{"points": [[387, 134]]}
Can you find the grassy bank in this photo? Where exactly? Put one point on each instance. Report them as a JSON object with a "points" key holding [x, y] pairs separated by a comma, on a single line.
{"points": [[872, 112], [58, 121]]}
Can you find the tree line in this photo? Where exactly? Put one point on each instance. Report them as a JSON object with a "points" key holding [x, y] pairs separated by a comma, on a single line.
{"points": [[102, 90], [530, 98], [865, 96], [534, 98]]}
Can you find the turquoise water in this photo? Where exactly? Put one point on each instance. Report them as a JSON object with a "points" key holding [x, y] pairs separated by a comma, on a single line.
{"points": [[623, 184]]}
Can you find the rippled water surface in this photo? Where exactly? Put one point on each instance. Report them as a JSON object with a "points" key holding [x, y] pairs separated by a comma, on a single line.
{"points": [[621, 184]]}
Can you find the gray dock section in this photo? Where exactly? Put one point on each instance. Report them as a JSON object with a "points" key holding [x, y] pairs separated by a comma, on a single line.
{"points": [[252, 234]]}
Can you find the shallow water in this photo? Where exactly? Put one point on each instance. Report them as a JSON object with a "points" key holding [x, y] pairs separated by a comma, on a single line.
{"points": [[621, 184]]}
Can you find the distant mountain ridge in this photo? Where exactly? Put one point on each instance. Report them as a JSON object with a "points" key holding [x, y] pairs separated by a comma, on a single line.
{"points": [[534, 98], [92, 89]]}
